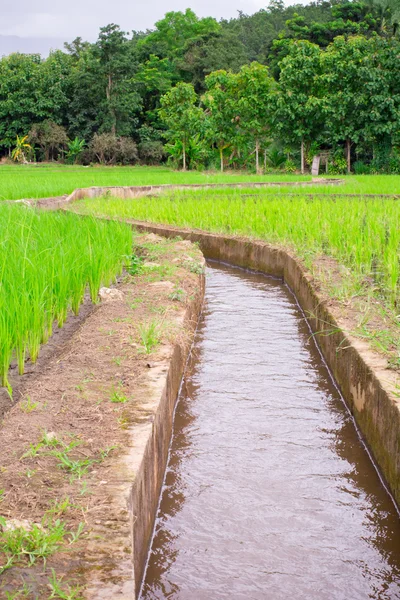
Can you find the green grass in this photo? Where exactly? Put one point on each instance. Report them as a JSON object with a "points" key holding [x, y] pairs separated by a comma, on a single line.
{"points": [[362, 234], [44, 180], [47, 262], [41, 181]]}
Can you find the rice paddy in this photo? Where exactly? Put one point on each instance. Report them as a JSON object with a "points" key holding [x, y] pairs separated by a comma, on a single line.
{"points": [[45, 180], [47, 262], [361, 234], [42, 181]]}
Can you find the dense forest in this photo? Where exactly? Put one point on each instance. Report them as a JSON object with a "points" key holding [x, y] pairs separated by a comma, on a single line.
{"points": [[264, 91]]}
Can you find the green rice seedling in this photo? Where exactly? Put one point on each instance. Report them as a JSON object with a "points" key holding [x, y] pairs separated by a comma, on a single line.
{"points": [[361, 233], [47, 261]]}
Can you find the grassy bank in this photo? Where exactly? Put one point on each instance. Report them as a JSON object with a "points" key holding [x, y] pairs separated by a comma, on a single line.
{"points": [[360, 235], [47, 262]]}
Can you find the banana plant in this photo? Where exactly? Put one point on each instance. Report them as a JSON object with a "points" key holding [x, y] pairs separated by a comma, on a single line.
{"points": [[21, 150], [75, 148]]}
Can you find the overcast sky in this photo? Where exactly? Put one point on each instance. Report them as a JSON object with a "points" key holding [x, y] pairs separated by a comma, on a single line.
{"points": [[68, 19]]}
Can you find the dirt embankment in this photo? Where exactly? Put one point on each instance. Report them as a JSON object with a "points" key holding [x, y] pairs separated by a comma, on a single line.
{"points": [[73, 443]]}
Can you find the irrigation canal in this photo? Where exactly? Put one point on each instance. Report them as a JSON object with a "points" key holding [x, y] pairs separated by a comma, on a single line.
{"points": [[269, 492]]}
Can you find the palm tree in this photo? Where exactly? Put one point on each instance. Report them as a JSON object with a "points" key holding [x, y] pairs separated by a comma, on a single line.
{"points": [[388, 12]]}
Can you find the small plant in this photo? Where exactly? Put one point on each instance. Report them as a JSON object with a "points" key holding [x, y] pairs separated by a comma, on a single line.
{"points": [[117, 397], [75, 149], [38, 542], [28, 405], [63, 592], [194, 267], [22, 149], [117, 360], [59, 507], [135, 264], [150, 335], [104, 453], [177, 295], [77, 468]]}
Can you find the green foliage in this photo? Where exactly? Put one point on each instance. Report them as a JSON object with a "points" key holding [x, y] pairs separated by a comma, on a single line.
{"points": [[22, 149], [276, 158], [75, 149], [362, 233], [335, 65], [50, 137], [47, 261], [182, 117]]}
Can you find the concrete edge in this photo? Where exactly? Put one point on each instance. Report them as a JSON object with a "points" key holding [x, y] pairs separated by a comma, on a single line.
{"points": [[136, 191], [145, 492], [366, 390]]}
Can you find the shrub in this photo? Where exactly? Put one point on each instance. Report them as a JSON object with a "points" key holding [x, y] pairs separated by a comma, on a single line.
{"points": [[127, 152], [108, 149], [360, 168], [289, 166], [50, 137], [151, 152]]}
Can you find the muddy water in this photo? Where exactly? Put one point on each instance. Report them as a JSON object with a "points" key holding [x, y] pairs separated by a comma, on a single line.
{"points": [[269, 493]]}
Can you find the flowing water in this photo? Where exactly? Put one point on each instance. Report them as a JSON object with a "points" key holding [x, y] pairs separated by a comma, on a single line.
{"points": [[269, 492]]}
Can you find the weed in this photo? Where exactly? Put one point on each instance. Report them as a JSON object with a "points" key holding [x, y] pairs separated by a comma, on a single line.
{"points": [[194, 267], [77, 468], [104, 453], [28, 405], [62, 592], [150, 336], [59, 507], [177, 294], [37, 542], [117, 360], [117, 397], [135, 264]]}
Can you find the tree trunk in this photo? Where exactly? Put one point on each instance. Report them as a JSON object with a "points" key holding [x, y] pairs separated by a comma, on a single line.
{"points": [[257, 160], [265, 160], [184, 155], [348, 155], [221, 156], [112, 111], [302, 156]]}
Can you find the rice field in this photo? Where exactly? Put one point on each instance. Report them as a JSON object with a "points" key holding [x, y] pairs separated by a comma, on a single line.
{"points": [[47, 262], [42, 181], [45, 180], [363, 234]]}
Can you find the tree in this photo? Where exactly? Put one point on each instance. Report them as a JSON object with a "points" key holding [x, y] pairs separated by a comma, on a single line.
{"points": [[115, 57], [182, 117], [254, 89], [344, 97], [50, 137], [297, 109], [221, 110]]}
